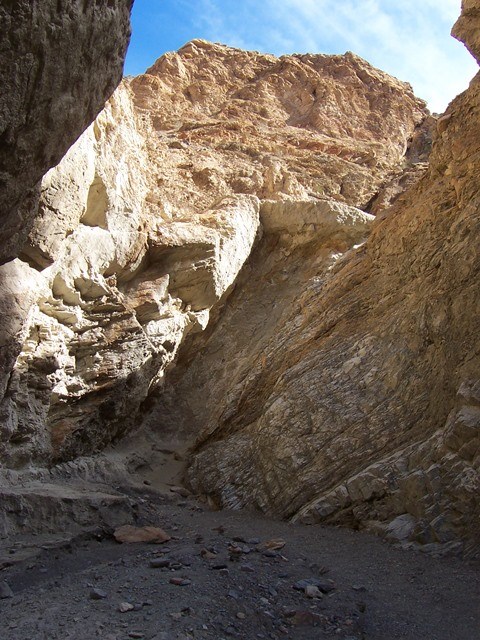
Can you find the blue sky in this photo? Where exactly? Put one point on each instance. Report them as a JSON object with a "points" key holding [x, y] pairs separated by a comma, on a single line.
{"points": [[407, 38]]}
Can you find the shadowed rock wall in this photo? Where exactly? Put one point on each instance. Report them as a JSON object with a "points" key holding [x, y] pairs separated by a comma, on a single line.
{"points": [[60, 60]]}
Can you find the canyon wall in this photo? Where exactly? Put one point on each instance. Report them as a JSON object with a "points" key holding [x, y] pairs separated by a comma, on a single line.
{"points": [[59, 61], [144, 225], [357, 402], [197, 268]]}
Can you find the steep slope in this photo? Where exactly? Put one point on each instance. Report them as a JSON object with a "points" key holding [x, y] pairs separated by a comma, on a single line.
{"points": [[143, 227], [357, 401]]}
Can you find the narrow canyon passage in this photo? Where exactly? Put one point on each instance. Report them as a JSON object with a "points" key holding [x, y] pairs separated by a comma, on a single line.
{"points": [[239, 341]]}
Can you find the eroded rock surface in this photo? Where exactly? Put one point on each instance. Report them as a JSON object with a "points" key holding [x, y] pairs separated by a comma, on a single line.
{"points": [[198, 266], [115, 293], [358, 401], [145, 224], [59, 61]]}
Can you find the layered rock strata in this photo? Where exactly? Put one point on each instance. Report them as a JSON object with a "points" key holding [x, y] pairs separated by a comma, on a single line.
{"points": [[143, 227], [59, 61], [357, 402], [198, 265]]}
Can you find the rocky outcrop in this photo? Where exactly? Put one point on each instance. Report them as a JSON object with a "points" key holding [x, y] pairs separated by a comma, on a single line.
{"points": [[299, 126], [352, 397], [115, 290], [144, 226], [199, 268], [59, 61]]}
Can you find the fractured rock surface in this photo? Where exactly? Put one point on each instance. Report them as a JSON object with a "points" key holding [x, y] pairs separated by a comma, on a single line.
{"points": [[361, 406], [144, 225], [198, 266]]}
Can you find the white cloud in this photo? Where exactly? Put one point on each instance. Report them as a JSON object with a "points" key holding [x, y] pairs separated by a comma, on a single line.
{"points": [[407, 38]]}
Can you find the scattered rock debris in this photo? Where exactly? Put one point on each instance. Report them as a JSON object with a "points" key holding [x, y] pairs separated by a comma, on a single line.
{"points": [[229, 575]]}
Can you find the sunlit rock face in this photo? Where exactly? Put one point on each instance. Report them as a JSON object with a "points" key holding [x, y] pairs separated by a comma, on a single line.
{"points": [[144, 226], [112, 291], [301, 126], [59, 61], [355, 398]]}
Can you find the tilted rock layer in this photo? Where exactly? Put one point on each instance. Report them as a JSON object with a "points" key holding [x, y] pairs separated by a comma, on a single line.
{"points": [[143, 227], [198, 265], [357, 402], [59, 61]]}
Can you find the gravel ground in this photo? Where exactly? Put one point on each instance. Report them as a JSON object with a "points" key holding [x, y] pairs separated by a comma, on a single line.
{"points": [[231, 586]]}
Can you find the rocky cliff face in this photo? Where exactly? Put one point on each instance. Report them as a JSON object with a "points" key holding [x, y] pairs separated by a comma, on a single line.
{"points": [[59, 61], [145, 224], [357, 402], [198, 269]]}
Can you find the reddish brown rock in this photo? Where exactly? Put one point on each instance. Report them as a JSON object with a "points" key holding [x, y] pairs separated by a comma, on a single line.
{"points": [[130, 534]]}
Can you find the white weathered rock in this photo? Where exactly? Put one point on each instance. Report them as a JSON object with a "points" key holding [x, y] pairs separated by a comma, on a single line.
{"points": [[117, 289]]}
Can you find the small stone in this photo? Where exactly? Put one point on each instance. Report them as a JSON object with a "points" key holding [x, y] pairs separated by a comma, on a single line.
{"points": [[273, 545], [219, 566], [160, 563], [98, 594], [325, 586], [147, 482], [358, 587], [123, 607], [220, 529], [5, 591], [241, 616], [224, 572], [248, 568], [207, 555], [129, 534], [235, 549], [312, 592], [136, 634], [180, 582]]}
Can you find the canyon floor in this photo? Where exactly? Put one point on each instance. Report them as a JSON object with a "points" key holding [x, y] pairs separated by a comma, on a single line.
{"points": [[236, 580]]}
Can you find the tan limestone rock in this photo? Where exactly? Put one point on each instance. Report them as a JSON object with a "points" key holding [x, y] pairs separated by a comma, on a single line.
{"points": [[359, 403], [129, 534], [145, 224]]}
